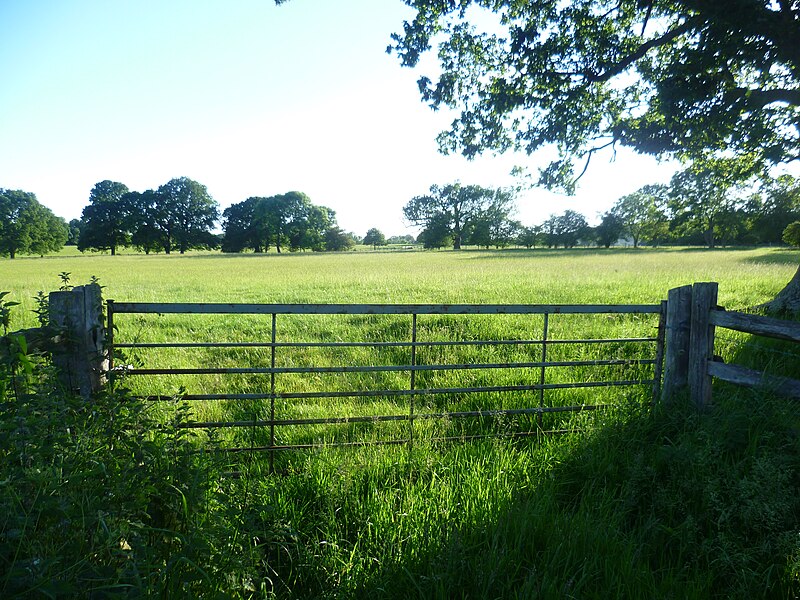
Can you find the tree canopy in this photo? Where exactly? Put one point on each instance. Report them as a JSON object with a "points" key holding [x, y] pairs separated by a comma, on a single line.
{"points": [[374, 237], [451, 212], [285, 220], [643, 212], [106, 219], [665, 77], [186, 213], [27, 227]]}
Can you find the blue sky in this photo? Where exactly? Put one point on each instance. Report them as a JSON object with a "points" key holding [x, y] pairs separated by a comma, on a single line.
{"points": [[247, 98]]}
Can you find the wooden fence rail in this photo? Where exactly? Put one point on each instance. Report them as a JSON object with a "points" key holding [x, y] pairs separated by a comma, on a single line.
{"points": [[692, 319]]}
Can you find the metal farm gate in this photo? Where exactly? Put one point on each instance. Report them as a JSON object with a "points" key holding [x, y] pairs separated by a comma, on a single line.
{"points": [[338, 371]]}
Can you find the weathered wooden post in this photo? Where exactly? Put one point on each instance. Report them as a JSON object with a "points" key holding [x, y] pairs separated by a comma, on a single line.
{"points": [[80, 358], [676, 357], [701, 343]]}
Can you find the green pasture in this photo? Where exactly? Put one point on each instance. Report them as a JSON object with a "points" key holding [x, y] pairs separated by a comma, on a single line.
{"points": [[635, 502], [471, 276], [746, 276]]}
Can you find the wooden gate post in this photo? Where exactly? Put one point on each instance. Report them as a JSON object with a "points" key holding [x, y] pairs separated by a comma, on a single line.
{"points": [[701, 343], [80, 358], [676, 357]]}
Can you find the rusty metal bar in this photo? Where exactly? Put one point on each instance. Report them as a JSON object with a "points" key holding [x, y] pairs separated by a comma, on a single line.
{"points": [[390, 393], [399, 417], [381, 309], [374, 344], [390, 368], [272, 394]]}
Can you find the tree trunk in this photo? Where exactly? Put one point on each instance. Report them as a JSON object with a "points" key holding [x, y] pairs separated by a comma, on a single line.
{"points": [[710, 234], [788, 299]]}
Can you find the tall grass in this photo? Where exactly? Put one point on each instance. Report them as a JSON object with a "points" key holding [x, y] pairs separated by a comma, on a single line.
{"points": [[746, 277], [639, 503]]}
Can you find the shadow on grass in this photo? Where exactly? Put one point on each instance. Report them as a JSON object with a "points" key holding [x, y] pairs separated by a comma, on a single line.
{"points": [[672, 504], [581, 251], [776, 257]]}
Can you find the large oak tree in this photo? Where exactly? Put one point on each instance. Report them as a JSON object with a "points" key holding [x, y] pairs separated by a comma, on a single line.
{"points": [[452, 211], [686, 78], [28, 227], [106, 219]]}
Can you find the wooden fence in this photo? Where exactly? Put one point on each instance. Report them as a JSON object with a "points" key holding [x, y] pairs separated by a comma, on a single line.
{"points": [[74, 337], [692, 319]]}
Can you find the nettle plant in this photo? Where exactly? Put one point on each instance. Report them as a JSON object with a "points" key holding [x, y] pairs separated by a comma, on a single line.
{"points": [[97, 495]]}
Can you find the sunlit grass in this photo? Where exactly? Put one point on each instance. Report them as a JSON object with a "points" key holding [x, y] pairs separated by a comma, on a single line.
{"points": [[746, 277], [629, 503]]}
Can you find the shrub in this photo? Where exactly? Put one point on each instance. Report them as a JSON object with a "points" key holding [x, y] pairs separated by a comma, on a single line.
{"points": [[791, 235]]}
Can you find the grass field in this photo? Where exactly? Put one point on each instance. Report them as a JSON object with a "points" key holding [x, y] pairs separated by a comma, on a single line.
{"points": [[746, 277], [638, 504]]}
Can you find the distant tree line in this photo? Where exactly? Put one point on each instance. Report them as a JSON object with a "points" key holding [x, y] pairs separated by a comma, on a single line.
{"points": [[707, 204], [286, 221], [713, 203], [181, 215]]}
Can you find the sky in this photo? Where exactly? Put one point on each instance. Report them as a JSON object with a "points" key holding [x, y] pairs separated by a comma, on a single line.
{"points": [[249, 99]]}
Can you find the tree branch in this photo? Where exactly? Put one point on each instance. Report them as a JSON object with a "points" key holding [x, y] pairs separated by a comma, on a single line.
{"points": [[755, 98], [589, 154], [641, 51]]}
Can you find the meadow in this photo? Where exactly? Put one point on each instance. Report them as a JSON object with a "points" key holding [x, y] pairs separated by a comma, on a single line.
{"points": [[746, 276], [637, 502]]}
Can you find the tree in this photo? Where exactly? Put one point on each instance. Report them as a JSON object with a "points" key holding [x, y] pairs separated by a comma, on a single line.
{"points": [[689, 78], [106, 219], [437, 234], [280, 217], [187, 214], [50, 232], [570, 227], [284, 220], [28, 227], [238, 223], [451, 210], [774, 208], [149, 223], [641, 211], [402, 240], [529, 236], [706, 193], [74, 233], [337, 240], [374, 238], [310, 226], [493, 227], [610, 229], [791, 235]]}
